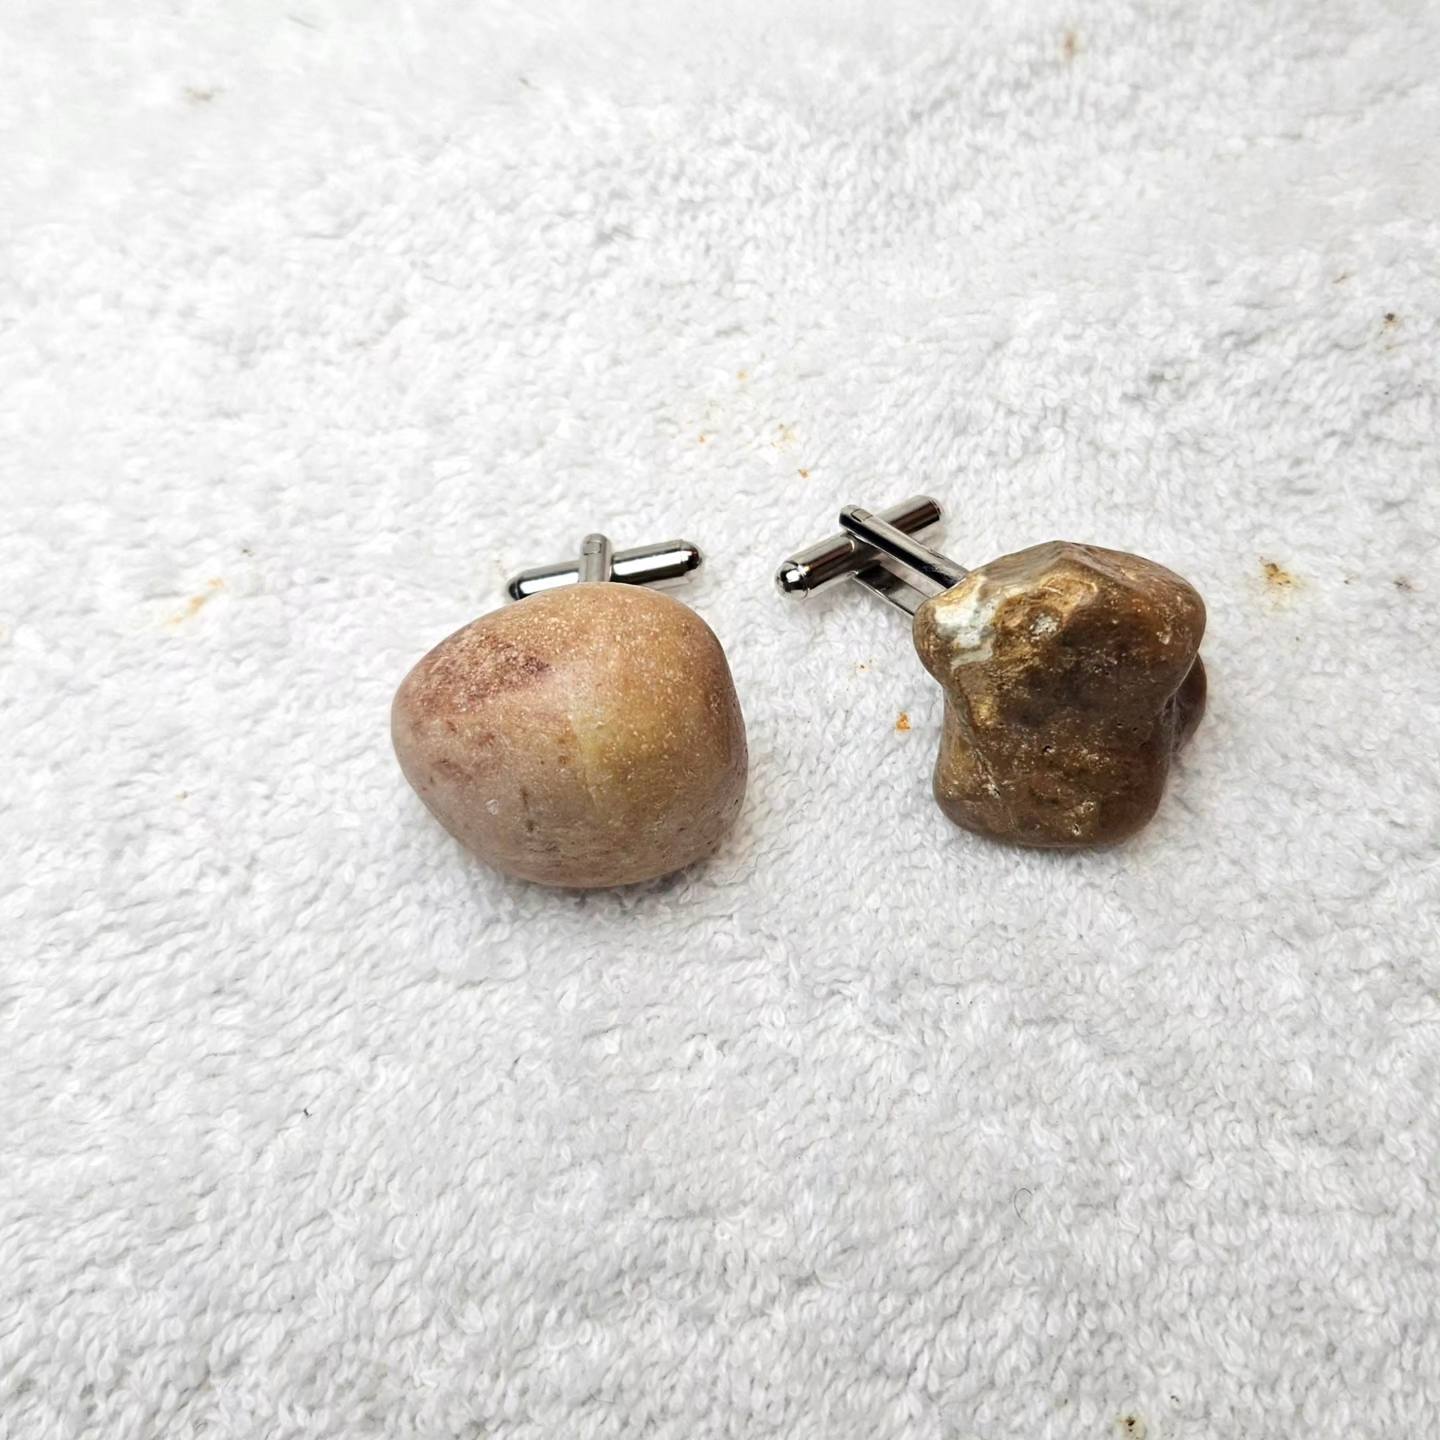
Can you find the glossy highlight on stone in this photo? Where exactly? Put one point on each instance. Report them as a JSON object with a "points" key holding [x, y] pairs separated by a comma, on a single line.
{"points": [[1071, 677], [587, 736]]}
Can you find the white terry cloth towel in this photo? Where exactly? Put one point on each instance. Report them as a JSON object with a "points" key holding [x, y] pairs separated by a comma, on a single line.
{"points": [[316, 320]]}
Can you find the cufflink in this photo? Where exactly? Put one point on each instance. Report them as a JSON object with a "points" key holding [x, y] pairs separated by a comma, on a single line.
{"points": [[1071, 673], [586, 735]]}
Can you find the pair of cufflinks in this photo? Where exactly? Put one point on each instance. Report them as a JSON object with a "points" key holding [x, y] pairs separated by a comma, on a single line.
{"points": [[589, 734]]}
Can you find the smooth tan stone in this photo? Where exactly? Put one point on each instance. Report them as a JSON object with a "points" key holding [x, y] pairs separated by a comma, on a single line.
{"points": [[1071, 676], [585, 737]]}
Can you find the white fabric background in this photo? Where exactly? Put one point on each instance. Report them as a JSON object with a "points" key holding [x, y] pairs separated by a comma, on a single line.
{"points": [[316, 320]]}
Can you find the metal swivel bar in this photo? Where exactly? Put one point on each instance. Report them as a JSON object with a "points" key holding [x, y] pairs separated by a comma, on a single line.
{"points": [[872, 550], [662, 564]]}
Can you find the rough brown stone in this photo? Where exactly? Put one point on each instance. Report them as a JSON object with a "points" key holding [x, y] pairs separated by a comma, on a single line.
{"points": [[1071, 676], [585, 737]]}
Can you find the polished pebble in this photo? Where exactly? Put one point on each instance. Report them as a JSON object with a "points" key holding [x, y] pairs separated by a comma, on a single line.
{"points": [[587, 736], [1071, 677]]}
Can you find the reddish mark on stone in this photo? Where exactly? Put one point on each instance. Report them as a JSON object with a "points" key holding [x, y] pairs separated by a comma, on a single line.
{"points": [[903, 723], [1070, 45], [464, 677]]}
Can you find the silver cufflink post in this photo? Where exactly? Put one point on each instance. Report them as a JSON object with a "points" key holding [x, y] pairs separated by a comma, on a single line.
{"points": [[879, 552], [664, 564]]}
